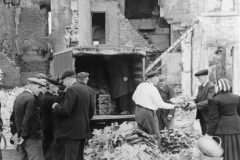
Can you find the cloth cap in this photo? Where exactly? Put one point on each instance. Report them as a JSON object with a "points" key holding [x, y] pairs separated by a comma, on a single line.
{"points": [[41, 76], [151, 74], [41, 82], [68, 73], [161, 77], [224, 85], [201, 73], [53, 81], [82, 75]]}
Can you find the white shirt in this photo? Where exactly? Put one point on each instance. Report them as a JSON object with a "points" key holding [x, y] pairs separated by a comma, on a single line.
{"points": [[29, 91], [147, 95]]}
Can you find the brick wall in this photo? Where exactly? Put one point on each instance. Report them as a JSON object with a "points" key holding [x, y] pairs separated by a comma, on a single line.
{"points": [[127, 35]]}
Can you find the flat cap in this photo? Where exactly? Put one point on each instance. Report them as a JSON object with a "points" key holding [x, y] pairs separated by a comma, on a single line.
{"points": [[82, 75], [151, 74], [41, 82], [68, 73], [202, 72], [160, 77], [41, 76], [53, 81]]}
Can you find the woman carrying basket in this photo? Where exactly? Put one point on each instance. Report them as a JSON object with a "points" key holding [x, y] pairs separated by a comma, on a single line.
{"points": [[224, 119]]}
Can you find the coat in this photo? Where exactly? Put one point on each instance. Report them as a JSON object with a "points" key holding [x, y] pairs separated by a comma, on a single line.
{"points": [[224, 113], [92, 100], [204, 94], [73, 114], [118, 68], [27, 116], [166, 93]]}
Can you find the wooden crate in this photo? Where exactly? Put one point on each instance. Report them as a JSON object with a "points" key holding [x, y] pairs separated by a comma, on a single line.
{"points": [[9, 154]]}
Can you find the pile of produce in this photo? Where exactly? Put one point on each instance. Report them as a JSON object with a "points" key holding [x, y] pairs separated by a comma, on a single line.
{"points": [[182, 113], [178, 142], [121, 142], [126, 142]]}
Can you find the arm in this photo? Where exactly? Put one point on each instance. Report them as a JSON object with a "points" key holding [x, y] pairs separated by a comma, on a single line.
{"points": [[204, 104], [29, 113], [171, 94], [213, 116], [66, 106], [157, 99], [92, 105]]}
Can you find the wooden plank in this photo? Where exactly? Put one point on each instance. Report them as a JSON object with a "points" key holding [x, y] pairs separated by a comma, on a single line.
{"points": [[171, 47], [101, 117]]}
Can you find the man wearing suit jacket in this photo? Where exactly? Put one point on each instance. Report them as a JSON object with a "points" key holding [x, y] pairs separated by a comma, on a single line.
{"points": [[83, 78], [46, 102], [165, 116], [73, 126], [205, 92]]}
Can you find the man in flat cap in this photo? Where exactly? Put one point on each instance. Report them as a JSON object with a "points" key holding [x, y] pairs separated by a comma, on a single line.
{"points": [[73, 126], [27, 121], [46, 102], [165, 116], [83, 79], [205, 92], [148, 100]]}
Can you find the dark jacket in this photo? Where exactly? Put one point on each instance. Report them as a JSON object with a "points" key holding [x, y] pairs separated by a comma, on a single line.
{"points": [[46, 103], [27, 116], [166, 93], [204, 94], [224, 112], [74, 110], [118, 68], [92, 100]]}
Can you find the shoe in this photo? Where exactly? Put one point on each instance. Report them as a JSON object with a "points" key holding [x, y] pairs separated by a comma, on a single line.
{"points": [[115, 113]]}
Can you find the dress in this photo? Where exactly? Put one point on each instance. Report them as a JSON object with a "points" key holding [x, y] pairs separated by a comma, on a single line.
{"points": [[224, 122]]}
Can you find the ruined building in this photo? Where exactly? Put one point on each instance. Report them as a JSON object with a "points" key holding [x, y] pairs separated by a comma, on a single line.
{"points": [[32, 30]]}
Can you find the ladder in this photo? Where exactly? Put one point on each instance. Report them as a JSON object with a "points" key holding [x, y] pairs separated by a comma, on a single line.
{"points": [[172, 46]]}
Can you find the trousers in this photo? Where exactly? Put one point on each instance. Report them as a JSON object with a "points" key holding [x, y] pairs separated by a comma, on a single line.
{"points": [[30, 149]]}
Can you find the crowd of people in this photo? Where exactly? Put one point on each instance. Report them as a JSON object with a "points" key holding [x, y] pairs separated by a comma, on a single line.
{"points": [[50, 118]]}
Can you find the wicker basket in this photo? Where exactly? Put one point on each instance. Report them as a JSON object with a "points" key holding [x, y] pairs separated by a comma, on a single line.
{"points": [[210, 147], [202, 157]]}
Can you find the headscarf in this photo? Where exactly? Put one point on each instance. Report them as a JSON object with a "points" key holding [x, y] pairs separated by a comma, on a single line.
{"points": [[224, 85]]}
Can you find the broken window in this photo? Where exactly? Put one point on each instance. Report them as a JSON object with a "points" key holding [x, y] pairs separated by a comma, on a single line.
{"points": [[98, 28]]}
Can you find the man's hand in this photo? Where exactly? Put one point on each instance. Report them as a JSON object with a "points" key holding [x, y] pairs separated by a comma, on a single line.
{"points": [[20, 141], [54, 105], [125, 79], [169, 117], [192, 106]]}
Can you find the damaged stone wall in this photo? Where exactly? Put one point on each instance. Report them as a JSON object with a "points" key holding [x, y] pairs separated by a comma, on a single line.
{"points": [[128, 35], [32, 44], [216, 28], [118, 29], [11, 70]]}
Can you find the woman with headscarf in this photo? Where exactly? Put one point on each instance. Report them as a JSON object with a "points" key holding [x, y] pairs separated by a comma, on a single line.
{"points": [[224, 119]]}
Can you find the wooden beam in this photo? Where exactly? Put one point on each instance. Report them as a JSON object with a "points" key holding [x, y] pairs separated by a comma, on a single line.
{"points": [[172, 46]]}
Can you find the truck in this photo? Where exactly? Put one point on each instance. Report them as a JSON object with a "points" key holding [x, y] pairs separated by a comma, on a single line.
{"points": [[91, 59]]}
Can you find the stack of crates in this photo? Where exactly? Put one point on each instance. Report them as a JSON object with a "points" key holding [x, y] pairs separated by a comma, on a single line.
{"points": [[104, 103]]}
